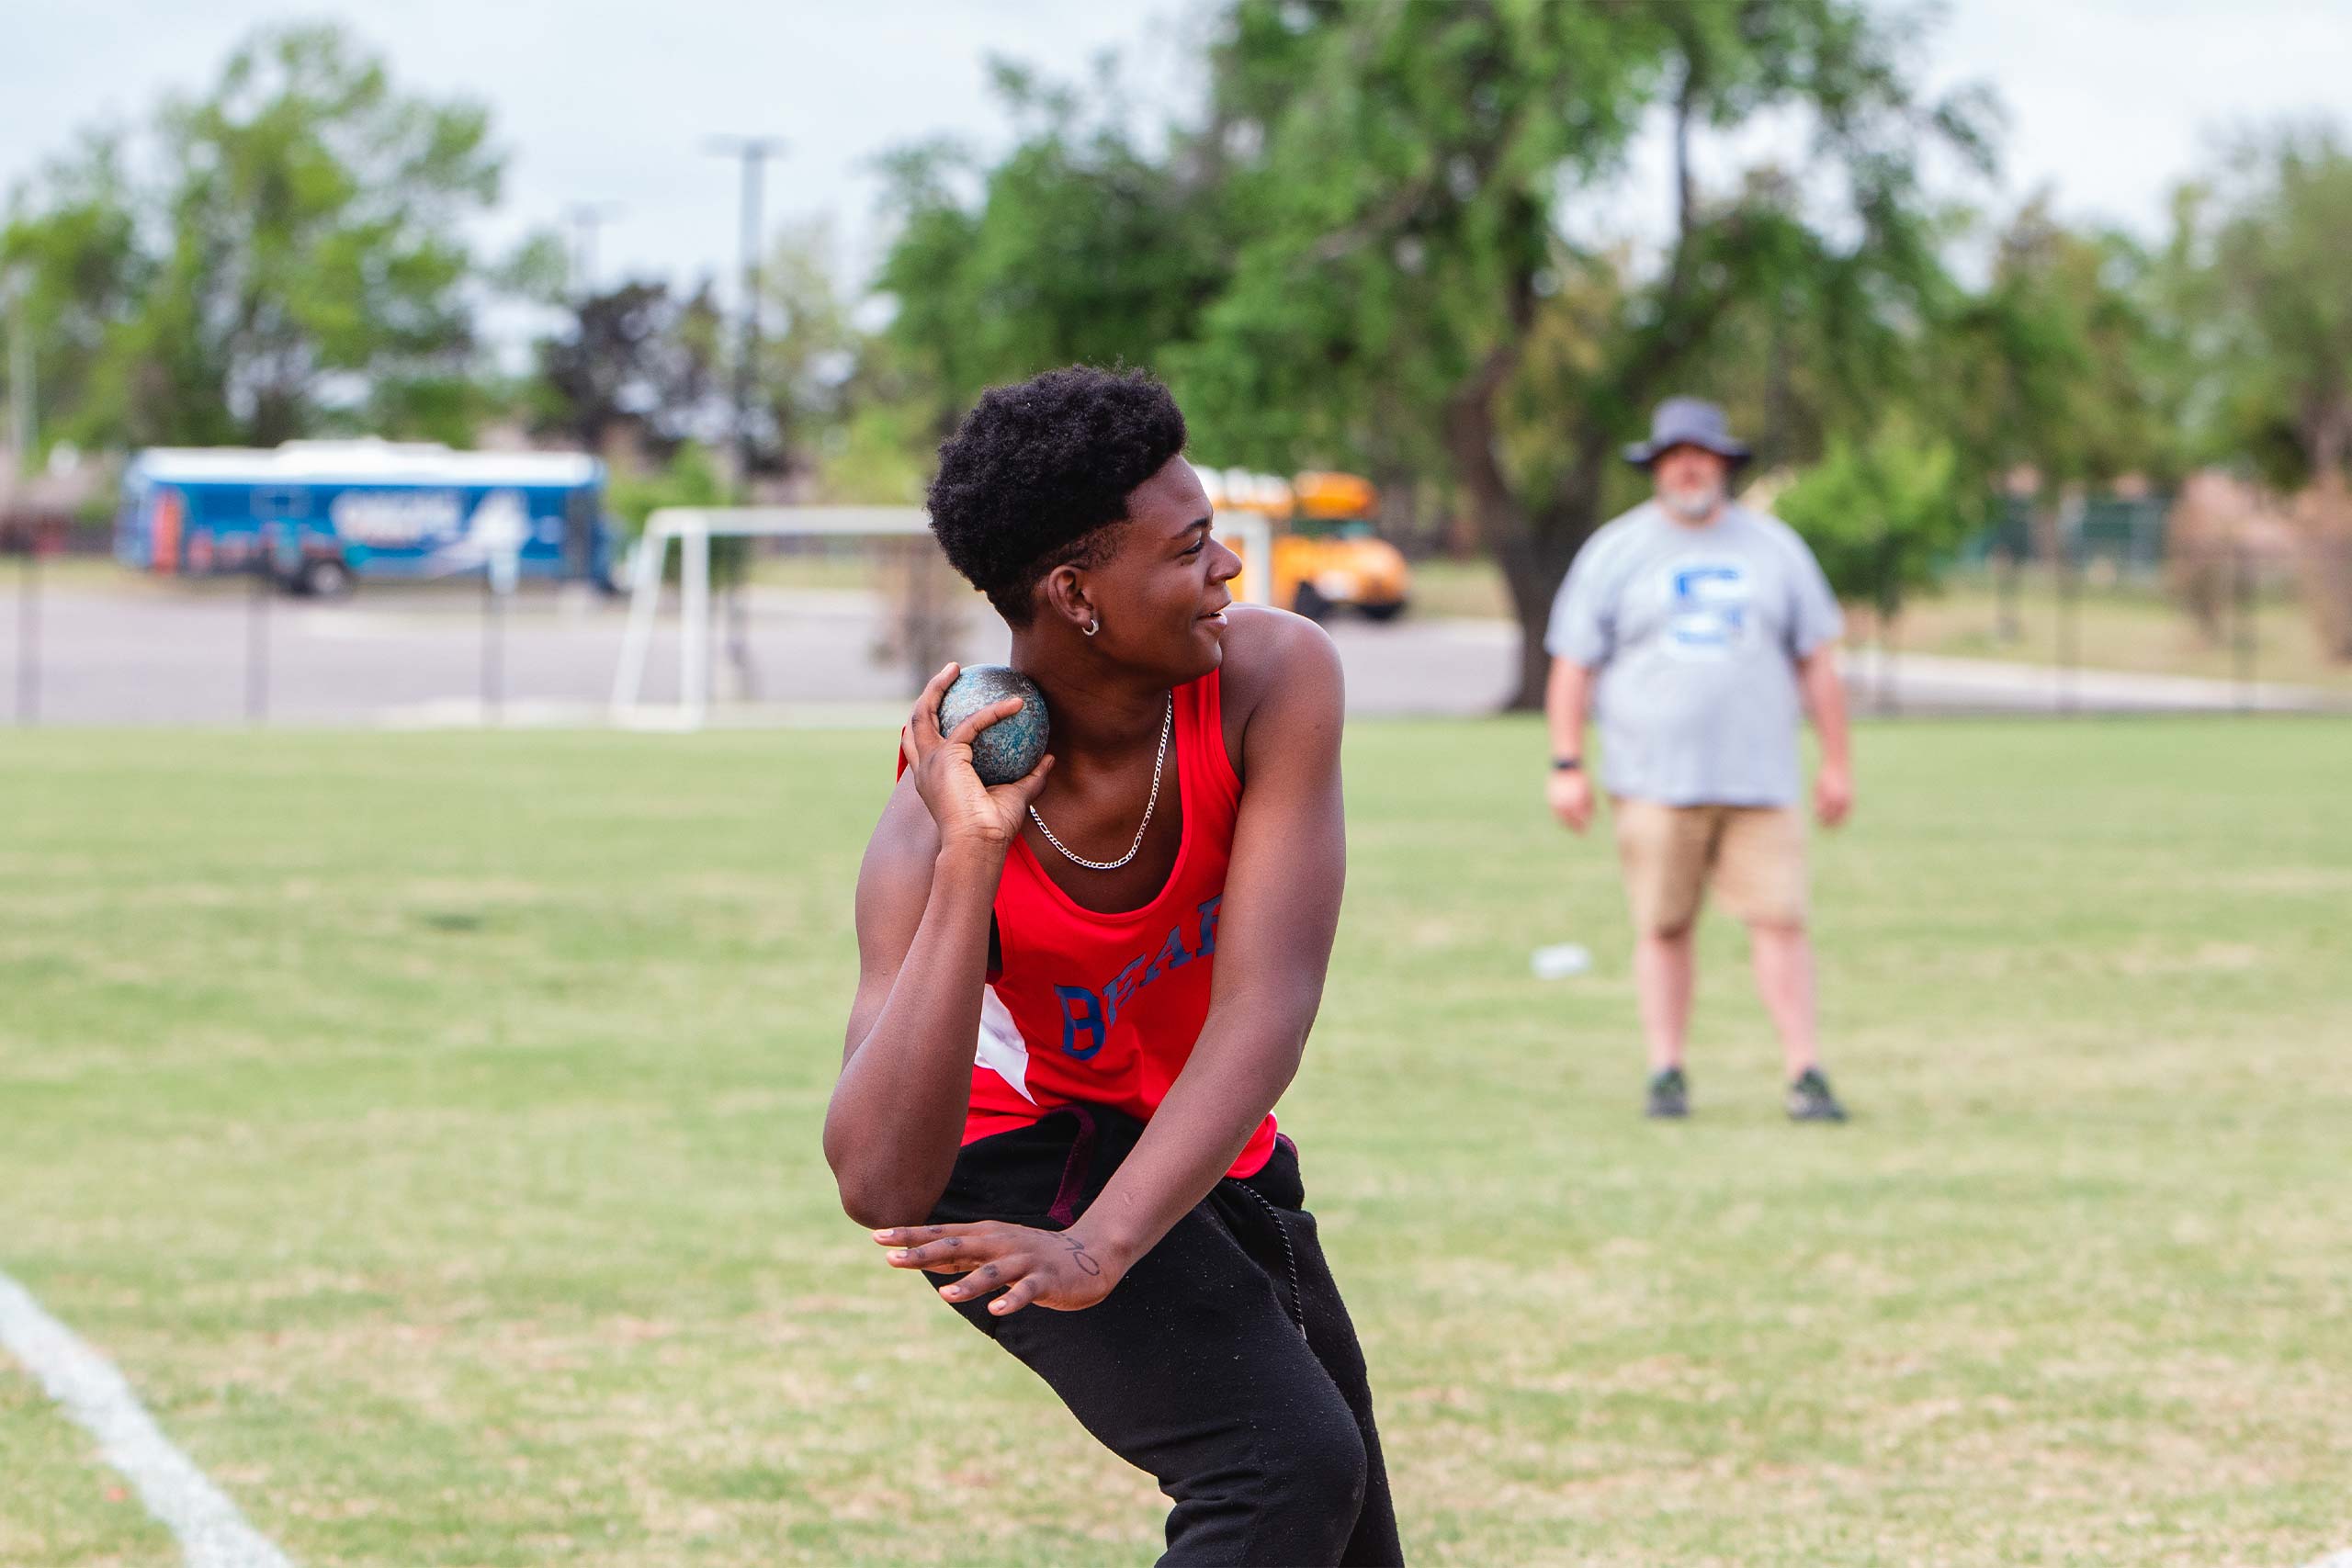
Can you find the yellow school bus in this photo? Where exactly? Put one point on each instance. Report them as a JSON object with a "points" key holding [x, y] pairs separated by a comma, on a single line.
{"points": [[1325, 548]]}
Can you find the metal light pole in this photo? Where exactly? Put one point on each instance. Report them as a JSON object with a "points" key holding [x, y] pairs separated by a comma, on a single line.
{"points": [[20, 378], [584, 217], [20, 437], [754, 152]]}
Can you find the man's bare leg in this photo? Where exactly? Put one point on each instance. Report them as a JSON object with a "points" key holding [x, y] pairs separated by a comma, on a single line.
{"points": [[1782, 956], [1664, 974]]}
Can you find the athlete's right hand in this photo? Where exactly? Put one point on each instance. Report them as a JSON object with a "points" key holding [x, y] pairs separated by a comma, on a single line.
{"points": [[967, 811], [1570, 792], [1056, 1270]]}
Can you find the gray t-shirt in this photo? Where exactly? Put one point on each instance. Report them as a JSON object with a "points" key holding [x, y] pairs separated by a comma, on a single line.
{"points": [[1695, 632]]}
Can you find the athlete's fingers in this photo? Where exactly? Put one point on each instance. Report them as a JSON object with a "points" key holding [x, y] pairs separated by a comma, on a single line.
{"points": [[952, 1260], [925, 721], [979, 1281], [1026, 1289], [946, 1249], [1025, 790], [908, 1235], [949, 1255], [980, 718]]}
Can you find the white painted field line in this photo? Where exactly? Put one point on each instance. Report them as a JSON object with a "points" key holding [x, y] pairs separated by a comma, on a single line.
{"points": [[211, 1533]]}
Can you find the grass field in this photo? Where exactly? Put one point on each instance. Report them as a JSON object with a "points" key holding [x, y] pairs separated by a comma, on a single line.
{"points": [[426, 1126]]}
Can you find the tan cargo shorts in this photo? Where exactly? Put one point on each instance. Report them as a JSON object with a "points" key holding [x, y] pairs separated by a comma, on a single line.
{"points": [[1754, 856]]}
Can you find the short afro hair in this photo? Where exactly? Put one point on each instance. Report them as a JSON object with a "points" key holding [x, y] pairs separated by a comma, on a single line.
{"points": [[1038, 468]]}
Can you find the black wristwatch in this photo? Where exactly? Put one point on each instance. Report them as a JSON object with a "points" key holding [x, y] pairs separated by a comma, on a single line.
{"points": [[1567, 764]]}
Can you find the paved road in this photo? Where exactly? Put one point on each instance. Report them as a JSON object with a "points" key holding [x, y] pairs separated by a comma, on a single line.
{"points": [[211, 654]]}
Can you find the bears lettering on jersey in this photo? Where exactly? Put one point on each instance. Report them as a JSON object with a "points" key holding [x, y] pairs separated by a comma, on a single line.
{"points": [[1089, 1013]]}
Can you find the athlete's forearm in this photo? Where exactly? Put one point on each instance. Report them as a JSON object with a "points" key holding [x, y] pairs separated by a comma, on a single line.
{"points": [[1243, 1060], [897, 1115]]}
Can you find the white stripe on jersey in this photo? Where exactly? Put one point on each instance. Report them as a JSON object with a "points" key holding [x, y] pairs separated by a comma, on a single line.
{"points": [[1002, 1050]]}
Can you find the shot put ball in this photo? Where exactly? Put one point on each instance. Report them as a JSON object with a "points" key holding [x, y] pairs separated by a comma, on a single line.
{"points": [[1008, 748]]}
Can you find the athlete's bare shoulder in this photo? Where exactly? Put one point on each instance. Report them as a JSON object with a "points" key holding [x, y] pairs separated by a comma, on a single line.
{"points": [[1275, 660]]}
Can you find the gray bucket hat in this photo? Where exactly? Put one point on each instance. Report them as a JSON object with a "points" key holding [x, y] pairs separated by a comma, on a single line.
{"points": [[1687, 421]]}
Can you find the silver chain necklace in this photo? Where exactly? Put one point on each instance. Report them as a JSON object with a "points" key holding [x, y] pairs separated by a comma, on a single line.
{"points": [[1167, 727]]}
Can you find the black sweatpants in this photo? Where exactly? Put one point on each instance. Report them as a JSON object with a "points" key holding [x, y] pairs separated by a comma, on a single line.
{"points": [[1224, 1364]]}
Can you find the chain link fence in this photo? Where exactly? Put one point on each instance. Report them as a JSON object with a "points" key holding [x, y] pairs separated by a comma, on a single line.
{"points": [[2110, 606], [794, 627], [2103, 613]]}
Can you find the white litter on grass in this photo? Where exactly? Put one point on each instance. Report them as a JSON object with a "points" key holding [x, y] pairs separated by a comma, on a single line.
{"points": [[1559, 962], [2333, 1560], [213, 1533]]}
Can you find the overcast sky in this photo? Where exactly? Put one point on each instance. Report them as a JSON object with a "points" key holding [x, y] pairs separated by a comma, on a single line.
{"points": [[602, 103]]}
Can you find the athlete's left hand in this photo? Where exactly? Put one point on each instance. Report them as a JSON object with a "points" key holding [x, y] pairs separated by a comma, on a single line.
{"points": [[1048, 1268]]}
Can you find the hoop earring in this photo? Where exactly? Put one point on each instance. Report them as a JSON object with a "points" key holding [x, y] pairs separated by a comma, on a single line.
{"points": [[1092, 627]]}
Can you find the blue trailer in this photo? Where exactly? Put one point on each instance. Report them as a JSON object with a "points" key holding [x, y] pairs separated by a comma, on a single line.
{"points": [[319, 514]]}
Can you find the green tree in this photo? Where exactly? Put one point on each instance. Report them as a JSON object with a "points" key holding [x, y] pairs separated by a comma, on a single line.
{"points": [[2259, 274], [72, 246], [2051, 363], [1882, 515], [2260, 253], [1080, 246], [1405, 179], [806, 376], [633, 356], [689, 478], [300, 263]]}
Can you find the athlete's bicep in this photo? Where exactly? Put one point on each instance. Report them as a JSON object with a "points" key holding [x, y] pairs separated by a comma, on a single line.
{"points": [[893, 889], [1290, 852]]}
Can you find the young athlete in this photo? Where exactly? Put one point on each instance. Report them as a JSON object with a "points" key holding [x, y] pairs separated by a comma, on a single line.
{"points": [[1080, 994]]}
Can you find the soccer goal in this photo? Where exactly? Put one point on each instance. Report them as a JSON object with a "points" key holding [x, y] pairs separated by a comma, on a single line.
{"points": [[692, 528]]}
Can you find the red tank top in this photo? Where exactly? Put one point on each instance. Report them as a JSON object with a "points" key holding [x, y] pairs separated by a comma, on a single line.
{"points": [[1105, 1007]]}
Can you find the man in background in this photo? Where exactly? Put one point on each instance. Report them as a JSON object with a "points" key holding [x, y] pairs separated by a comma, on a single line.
{"points": [[1705, 631]]}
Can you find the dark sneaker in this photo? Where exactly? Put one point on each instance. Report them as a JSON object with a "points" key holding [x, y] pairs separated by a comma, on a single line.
{"points": [[1809, 1099], [1669, 1095]]}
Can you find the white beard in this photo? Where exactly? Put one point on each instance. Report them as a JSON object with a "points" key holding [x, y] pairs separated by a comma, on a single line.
{"points": [[1693, 506]]}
